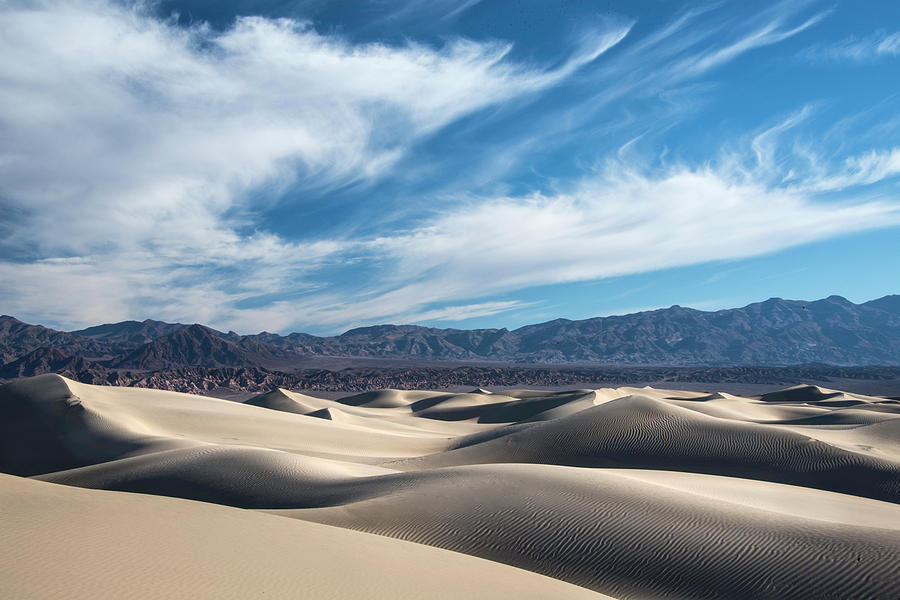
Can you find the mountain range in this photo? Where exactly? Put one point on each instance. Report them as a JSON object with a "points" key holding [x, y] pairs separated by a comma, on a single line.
{"points": [[775, 332]]}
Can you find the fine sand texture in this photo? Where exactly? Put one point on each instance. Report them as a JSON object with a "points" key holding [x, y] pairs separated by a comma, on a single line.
{"points": [[623, 493], [63, 542]]}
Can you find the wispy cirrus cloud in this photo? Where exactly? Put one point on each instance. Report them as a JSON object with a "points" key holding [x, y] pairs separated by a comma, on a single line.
{"points": [[771, 31], [611, 224], [140, 161], [653, 82], [806, 167], [456, 313], [854, 49], [621, 220], [131, 145], [423, 9], [616, 223], [870, 167]]}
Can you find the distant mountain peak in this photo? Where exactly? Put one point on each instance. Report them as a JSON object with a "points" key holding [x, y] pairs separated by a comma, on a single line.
{"points": [[776, 331], [889, 303], [44, 360]]}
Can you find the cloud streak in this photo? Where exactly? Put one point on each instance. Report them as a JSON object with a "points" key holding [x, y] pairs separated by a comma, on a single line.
{"points": [[618, 224], [139, 159], [854, 49], [624, 220], [133, 145], [614, 224]]}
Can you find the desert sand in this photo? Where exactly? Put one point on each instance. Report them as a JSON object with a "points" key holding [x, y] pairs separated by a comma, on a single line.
{"points": [[623, 493]]}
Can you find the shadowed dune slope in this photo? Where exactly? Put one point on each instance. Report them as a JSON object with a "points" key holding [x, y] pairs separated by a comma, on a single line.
{"points": [[644, 432], [642, 538], [63, 542], [45, 426], [396, 412], [237, 476], [814, 394], [285, 401], [386, 398], [51, 423]]}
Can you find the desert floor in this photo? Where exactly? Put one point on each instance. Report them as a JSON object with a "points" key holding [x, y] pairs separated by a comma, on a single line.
{"points": [[625, 493]]}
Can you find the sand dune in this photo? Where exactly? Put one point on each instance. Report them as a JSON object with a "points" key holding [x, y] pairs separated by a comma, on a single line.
{"points": [[233, 475], [52, 423], [638, 537], [283, 400], [386, 398], [401, 416], [64, 542], [639, 431], [818, 395], [630, 492]]}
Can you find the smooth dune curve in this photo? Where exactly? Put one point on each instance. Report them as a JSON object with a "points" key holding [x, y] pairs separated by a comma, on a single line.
{"points": [[649, 433], [64, 542], [634, 537]]}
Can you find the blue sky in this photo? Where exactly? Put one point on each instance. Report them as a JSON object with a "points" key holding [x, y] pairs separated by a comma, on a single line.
{"points": [[315, 166]]}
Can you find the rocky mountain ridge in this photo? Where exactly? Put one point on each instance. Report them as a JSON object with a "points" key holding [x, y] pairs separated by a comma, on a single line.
{"points": [[775, 332]]}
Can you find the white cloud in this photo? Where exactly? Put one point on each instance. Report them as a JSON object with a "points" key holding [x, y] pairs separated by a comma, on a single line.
{"points": [[770, 33], [425, 10], [855, 49], [864, 169], [131, 150], [467, 311], [785, 155], [618, 223], [132, 143], [694, 43], [663, 78]]}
